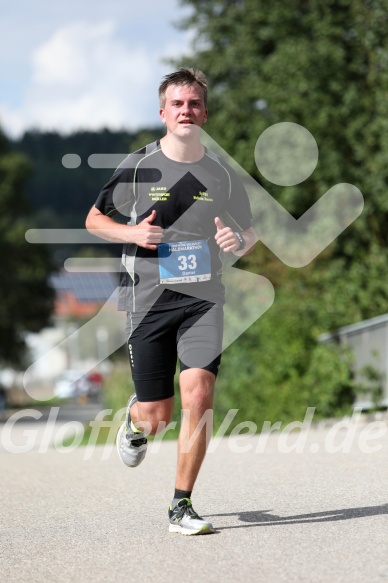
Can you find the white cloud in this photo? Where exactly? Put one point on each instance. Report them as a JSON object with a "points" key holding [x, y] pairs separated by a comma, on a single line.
{"points": [[63, 59], [84, 77]]}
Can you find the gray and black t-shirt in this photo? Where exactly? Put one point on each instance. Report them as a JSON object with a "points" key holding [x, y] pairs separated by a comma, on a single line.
{"points": [[187, 196]]}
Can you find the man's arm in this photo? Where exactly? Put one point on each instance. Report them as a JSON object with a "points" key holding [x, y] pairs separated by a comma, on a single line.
{"points": [[145, 234], [229, 242], [250, 239]]}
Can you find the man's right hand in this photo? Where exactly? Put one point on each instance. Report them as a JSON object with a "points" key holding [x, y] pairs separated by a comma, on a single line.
{"points": [[147, 235]]}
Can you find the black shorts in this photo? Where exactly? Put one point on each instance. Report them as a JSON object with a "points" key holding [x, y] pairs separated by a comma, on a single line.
{"points": [[155, 340]]}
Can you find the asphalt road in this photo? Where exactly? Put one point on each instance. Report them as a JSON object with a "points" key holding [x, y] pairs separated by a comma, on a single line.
{"points": [[303, 507]]}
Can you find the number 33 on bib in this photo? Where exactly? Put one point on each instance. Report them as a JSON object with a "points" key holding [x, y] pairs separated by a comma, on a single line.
{"points": [[184, 262]]}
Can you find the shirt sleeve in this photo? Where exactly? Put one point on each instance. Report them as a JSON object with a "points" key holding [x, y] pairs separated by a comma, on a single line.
{"points": [[116, 197]]}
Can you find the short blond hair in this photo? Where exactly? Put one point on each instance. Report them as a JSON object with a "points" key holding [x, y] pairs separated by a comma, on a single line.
{"points": [[184, 76]]}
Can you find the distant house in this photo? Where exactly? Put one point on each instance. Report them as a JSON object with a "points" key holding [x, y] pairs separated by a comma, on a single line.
{"points": [[368, 340], [81, 294], [86, 329]]}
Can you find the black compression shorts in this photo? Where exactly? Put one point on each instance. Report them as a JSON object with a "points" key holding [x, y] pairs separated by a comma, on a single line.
{"points": [[155, 340]]}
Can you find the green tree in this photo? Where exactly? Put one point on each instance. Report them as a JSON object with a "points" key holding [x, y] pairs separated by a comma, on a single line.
{"points": [[26, 298], [322, 64], [62, 196]]}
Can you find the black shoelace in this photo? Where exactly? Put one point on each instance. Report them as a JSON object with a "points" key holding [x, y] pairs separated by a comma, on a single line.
{"points": [[137, 442], [179, 511]]}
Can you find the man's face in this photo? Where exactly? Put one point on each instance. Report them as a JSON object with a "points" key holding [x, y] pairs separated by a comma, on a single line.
{"points": [[184, 108]]}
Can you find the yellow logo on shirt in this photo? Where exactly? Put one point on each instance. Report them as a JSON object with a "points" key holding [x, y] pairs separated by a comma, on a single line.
{"points": [[203, 195], [158, 193]]}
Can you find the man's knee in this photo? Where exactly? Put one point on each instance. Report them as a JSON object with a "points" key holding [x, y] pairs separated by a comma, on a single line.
{"points": [[197, 388]]}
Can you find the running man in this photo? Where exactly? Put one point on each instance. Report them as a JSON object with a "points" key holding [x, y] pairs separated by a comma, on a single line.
{"points": [[177, 208]]}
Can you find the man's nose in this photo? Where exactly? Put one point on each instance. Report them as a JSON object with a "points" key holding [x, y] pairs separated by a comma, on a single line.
{"points": [[186, 109]]}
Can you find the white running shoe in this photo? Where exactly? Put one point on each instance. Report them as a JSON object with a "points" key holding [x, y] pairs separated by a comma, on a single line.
{"points": [[185, 520], [131, 446]]}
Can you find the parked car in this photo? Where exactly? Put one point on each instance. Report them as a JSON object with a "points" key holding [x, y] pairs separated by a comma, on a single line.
{"points": [[71, 384]]}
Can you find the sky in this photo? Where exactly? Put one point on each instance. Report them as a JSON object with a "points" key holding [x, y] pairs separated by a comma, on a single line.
{"points": [[85, 64]]}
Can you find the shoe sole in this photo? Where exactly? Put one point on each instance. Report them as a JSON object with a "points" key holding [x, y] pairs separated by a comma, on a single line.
{"points": [[118, 439], [188, 531]]}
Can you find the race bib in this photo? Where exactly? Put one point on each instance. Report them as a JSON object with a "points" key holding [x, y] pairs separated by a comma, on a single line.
{"points": [[184, 262]]}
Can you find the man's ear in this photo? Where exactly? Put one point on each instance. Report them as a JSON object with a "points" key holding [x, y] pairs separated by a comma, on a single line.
{"points": [[162, 115]]}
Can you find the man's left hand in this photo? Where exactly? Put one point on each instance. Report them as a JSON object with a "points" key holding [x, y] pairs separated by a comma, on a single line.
{"points": [[225, 237]]}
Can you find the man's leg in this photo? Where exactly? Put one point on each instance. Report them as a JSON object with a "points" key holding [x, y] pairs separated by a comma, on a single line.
{"points": [[197, 390], [199, 350], [197, 394], [152, 355], [152, 417], [141, 420]]}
